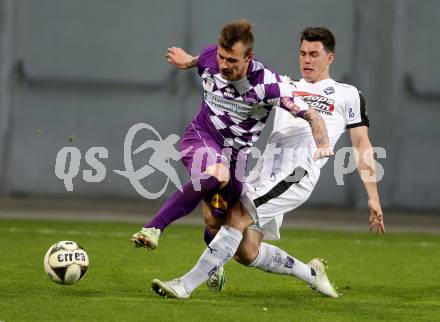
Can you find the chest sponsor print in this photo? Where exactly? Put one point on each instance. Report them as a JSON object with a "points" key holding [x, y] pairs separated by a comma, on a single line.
{"points": [[322, 104]]}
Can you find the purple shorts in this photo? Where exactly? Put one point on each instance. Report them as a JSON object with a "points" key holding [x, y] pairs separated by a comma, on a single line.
{"points": [[202, 150]]}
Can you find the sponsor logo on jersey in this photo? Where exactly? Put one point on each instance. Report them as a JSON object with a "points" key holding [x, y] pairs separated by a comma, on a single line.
{"points": [[351, 114], [229, 92], [329, 90], [322, 104], [223, 104]]}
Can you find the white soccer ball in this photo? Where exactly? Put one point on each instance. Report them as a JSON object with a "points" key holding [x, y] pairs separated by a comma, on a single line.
{"points": [[66, 262]]}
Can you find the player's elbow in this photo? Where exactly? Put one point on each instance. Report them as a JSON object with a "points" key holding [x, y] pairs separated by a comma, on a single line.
{"points": [[311, 116]]}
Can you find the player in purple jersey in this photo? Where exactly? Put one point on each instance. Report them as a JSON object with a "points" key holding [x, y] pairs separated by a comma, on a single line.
{"points": [[261, 208], [239, 93]]}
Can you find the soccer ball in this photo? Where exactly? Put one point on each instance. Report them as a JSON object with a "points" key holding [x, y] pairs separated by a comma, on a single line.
{"points": [[66, 262]]}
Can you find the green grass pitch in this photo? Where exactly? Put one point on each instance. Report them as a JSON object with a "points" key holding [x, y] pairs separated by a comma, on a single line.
{"points": [[395, 277]]}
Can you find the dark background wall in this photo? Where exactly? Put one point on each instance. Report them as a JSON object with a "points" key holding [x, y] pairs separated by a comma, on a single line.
{"points": [[89, 70]]}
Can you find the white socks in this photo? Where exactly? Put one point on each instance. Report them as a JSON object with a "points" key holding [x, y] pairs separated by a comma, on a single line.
{"points": [[272, 259], [219, 251], [224, 245]]}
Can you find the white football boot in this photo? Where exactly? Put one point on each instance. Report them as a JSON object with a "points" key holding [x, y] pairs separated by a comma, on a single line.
{"points": [[321, 283], [172, 288]]}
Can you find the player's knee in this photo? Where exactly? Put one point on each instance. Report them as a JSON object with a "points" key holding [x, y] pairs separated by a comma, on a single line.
{"points": [[238, 217], [249, 247], [245, 261], [220, 171], [246, 256]]}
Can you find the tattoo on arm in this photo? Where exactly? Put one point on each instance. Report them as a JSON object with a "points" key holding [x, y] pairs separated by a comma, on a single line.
{"points": [[319, 130], [192, 63]]}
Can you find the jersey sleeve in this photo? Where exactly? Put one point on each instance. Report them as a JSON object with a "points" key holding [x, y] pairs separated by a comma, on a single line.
{"points": [[207, 58], [356, 112], [280, 94]]}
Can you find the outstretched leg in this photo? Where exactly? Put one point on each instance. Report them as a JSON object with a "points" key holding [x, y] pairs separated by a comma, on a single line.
{"points": [[269, 258]]}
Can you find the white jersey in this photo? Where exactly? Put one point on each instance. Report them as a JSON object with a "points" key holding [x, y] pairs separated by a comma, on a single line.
{"points": [[341, 106], [286, 174]]}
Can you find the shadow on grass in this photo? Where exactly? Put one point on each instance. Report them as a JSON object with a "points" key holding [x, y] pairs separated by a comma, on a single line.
{"points": [[75, 293]]}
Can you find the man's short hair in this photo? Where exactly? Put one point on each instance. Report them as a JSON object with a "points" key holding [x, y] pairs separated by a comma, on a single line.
{"points": [[321, 34], [235, 31]]}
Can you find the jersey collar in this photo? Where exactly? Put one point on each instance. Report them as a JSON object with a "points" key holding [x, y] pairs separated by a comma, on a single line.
{"points": [[324, 82]]}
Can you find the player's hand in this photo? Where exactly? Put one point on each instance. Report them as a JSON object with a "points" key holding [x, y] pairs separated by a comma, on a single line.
{"points": [[376, 217], [179, 58], [322, 153]]}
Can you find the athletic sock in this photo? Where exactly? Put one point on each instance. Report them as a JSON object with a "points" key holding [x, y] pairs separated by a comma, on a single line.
{"points": [[273, 259], [219, 251], [182, 203]]}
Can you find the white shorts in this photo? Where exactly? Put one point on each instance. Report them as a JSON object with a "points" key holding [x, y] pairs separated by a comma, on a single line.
{"points": [[268, 197]]}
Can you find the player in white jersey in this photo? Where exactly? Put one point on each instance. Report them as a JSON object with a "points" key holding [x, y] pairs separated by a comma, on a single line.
{"points": [[285, 180], [287, 174]]}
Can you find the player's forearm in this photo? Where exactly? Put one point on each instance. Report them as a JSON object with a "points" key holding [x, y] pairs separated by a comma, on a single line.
{"points": [[192, 62], [367, 169], [319, 129], [371, 189]]}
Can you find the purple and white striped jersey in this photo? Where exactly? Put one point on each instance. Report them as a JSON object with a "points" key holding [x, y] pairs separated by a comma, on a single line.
{"points": [[239, 109]]}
